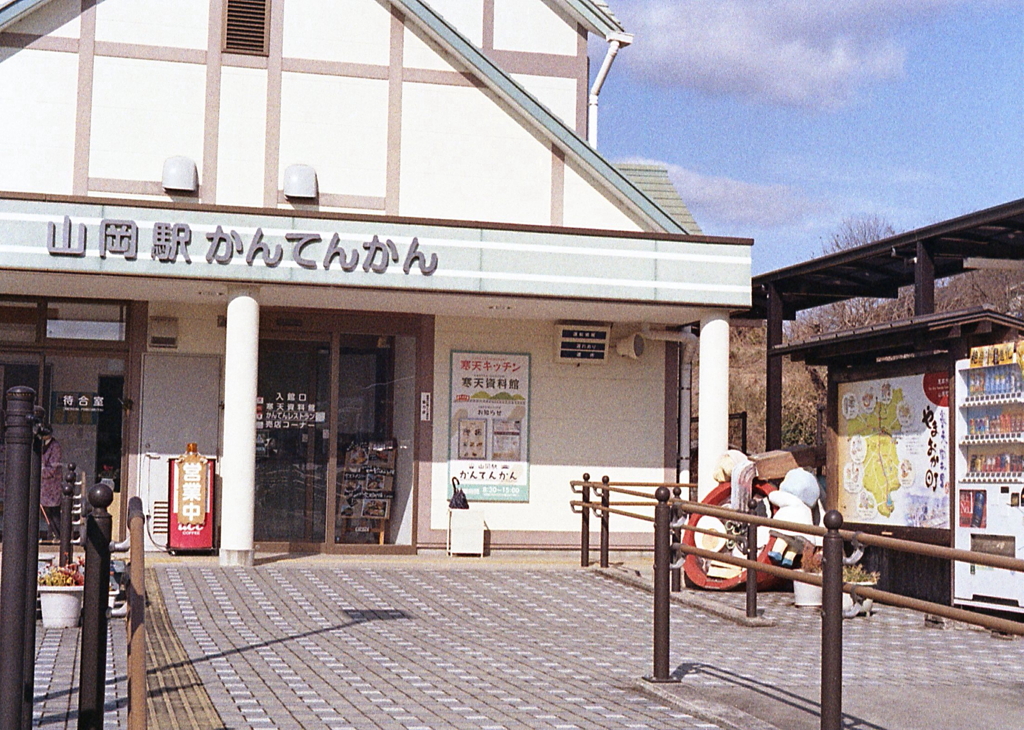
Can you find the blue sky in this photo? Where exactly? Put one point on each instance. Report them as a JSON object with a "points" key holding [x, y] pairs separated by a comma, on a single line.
{"points": [[779, 120]]}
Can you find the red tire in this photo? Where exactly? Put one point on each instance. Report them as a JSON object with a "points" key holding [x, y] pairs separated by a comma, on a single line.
{"points": [[696, 568]]}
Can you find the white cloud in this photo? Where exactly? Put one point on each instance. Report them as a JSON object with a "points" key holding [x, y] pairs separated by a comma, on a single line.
{"points": [[801, 53], [723, 203]]}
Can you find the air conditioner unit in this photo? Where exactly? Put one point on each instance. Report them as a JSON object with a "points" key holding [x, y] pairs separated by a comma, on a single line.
{"points": [[163, 332]]}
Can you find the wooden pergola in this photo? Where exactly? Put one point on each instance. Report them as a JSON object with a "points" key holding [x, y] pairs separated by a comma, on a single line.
{"points": [[985, 239]]}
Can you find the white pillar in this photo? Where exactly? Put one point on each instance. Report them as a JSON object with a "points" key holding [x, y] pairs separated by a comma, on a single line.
{"points": [[713, 398], [238, 467]]}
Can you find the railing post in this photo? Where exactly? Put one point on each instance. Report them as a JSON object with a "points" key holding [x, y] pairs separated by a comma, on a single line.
{"points": [[28, 672], [585, 524], [91, 685], [606, 503], [677, 538], [832, 624], [662, 562], [67, 498], [18, 438], [751, 555], [136, 617]]}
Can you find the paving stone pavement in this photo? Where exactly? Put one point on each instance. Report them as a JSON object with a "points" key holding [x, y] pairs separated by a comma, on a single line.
{"points": [[56, 677], [414, 646], [411, 649]]}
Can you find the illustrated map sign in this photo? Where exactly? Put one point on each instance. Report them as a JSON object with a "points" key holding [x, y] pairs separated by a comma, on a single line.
{"points": [[489, 425], [893, 460]]}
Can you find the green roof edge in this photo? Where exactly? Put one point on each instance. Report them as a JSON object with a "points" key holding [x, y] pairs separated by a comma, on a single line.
{"points": [[601, 21], [559, 131]]}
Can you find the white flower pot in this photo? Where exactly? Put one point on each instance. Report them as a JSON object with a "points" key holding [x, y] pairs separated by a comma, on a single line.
{"points": [[61, 606], [806, 594], [864, 604]]}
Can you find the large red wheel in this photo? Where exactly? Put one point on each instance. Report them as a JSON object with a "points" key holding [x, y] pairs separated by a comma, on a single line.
{"points": [[720, 576]]}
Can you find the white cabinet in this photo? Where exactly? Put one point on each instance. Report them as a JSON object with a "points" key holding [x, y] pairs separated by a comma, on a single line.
{"points": [[466, 532]]}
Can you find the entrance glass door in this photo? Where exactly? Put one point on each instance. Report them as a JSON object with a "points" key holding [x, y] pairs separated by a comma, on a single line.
{"points": [[292, 449], [367, 451]]}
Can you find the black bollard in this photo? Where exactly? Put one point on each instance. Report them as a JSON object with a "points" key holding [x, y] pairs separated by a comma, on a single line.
{"points": [[91, 685], [677, 538], [605, 537], [67, 499], [18, 430], [832, 623], [28, 671], [662, 567], [752, 556]]}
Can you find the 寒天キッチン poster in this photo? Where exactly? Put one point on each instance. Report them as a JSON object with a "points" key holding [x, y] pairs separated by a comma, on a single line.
{"points": [[489, 425]]}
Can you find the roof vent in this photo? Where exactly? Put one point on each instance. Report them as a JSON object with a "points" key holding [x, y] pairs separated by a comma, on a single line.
{"points": [[180, 175], [247, 27], [300, 182]]}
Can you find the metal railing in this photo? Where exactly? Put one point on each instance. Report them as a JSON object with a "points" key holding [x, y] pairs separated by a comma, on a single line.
{"points": [[21, 422], [670, 551]]}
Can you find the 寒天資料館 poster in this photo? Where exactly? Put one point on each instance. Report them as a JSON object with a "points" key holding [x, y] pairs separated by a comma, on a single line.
{"points": [[489, 425]]}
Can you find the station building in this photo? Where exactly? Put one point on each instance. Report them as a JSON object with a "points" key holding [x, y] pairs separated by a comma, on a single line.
{"points": [[353, 250]]}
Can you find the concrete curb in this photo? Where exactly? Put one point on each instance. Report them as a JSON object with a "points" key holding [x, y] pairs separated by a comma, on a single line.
{"points": [[688, 598], [724, 716]]}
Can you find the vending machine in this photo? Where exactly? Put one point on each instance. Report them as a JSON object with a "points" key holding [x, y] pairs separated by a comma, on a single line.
{"points": [[989, 506]]}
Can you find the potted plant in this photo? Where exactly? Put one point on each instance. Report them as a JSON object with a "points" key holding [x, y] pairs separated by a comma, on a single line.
{"points": [[808, 594], [60, 594], [857, 575]]}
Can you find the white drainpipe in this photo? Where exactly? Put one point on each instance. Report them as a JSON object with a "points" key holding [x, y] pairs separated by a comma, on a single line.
{"points": [[615, 42]]}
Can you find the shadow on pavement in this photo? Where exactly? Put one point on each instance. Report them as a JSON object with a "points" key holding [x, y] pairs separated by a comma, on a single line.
{"points": [[768, 701]]}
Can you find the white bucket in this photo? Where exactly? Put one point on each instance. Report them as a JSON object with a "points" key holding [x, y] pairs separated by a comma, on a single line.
{"points": [[806, 594], [61, 606]]}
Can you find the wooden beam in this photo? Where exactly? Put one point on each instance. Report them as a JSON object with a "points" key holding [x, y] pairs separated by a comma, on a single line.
{"points": [[924, 281], [773, 384]]}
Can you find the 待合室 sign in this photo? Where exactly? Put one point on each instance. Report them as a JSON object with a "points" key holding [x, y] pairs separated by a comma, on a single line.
{"points": [[75, 408], [489, 425]]}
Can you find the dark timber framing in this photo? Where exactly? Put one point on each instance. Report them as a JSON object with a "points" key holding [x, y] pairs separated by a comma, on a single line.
{"points": [[878, 270]]}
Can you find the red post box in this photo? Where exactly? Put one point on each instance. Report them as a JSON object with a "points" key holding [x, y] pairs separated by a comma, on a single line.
{"points": [[190, 501]]}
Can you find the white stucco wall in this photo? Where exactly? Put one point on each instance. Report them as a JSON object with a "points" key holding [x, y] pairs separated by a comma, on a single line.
{"points": [[534, 26], [178, 24], [587, 207], [466, 15], [464, 156], [354, 31], [557, 94], [37, 143], [602, 419], [142, 113], [242, 136], [339, 126]]}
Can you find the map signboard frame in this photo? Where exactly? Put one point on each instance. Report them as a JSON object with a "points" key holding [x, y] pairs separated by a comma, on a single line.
{"points": [[892, 448]]}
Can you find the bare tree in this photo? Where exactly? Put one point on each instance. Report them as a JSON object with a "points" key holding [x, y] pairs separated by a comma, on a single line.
{"points": [[852, 313]]}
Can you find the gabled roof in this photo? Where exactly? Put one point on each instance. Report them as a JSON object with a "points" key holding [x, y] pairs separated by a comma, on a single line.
{"points": [[11, 11], [495, 79], [595, 15], [654, 181]]}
